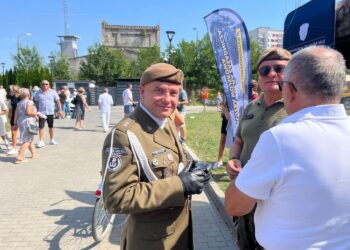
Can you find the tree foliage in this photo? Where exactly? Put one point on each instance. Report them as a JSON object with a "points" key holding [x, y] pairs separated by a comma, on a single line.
{"points": [[105, 65], [145, 58], [255, 52], [59, 66], [29, 67], [198, 63]]}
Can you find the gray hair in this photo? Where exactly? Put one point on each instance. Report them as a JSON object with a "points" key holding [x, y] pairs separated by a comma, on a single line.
{"points": [[320, 71]]}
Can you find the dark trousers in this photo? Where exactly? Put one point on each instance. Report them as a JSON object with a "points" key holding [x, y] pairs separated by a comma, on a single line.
{"points": [[246, 232]]}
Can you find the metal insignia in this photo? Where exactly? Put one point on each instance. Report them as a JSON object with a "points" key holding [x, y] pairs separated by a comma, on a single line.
{"points": [[114, 163], [155, 162], [158, 152], [170, 157]]}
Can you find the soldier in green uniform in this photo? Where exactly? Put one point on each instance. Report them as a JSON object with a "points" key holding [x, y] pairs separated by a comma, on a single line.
{"points": [[145, 168], [259, 116]]}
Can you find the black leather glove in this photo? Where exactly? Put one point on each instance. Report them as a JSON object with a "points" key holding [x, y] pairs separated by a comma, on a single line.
{"points": [[193, 182]]}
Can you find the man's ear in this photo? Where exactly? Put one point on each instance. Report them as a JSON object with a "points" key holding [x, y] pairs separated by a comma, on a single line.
{"points": [[142, 89], [292, 92]]}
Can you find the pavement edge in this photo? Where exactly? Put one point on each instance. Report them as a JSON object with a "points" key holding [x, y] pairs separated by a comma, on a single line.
{"points": [[217, 196]]}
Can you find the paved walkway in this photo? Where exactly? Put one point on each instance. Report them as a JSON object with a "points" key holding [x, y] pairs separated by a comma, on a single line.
{"points": [[47, 203]]}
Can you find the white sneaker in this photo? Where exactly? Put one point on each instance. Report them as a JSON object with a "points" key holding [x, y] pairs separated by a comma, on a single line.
{"points": [[53, 142], [40, 144], [12, 151], [217, 164]]}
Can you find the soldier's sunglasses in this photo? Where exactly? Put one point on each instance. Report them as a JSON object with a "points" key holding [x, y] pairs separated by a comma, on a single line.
{"points": [[280, 85], [265, 70]]}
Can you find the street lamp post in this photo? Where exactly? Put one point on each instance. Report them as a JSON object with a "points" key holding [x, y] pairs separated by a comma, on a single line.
{"points": [[18, 40], [196, 35], [51, 67], [196, 41], [170, 35], [3, 72]]}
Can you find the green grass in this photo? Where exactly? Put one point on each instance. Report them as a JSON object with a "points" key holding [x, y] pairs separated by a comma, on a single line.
{"points": [[203, 135]]}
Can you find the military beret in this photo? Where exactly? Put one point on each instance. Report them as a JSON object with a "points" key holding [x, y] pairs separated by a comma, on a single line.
{"points": [[162, 72], [273, 54]]}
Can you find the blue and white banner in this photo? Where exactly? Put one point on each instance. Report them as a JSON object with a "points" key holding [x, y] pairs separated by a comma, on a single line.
{"points": [[311, 24], [231, 47]]}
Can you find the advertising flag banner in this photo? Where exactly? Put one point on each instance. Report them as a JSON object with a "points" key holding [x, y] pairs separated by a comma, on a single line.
{"points": [[230, 42], [311, 24]]}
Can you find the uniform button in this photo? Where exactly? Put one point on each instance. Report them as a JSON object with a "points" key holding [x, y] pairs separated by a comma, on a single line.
{"points": [[170, 157]]}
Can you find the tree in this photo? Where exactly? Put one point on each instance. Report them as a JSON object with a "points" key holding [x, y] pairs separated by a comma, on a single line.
{"points": [[60, 66], [145, 58], [255, 52], [105, 65], [198, 63], [29, 67]]}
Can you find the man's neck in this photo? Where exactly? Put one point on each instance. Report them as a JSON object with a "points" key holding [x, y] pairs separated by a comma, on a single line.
{"points": [[160, 122]]}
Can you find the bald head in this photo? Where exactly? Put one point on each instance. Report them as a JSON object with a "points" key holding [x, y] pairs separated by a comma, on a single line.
{"points": [[318, 71]]}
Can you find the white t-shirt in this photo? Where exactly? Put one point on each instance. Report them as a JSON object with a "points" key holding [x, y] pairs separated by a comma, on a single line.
{"points": [[126, 95], [3, 94], [105, 101], [3, 107], [299, 172]]}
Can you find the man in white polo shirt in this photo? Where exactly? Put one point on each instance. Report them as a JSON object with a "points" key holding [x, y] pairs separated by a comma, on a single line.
{"points": [[105, 102], [298, 174]]}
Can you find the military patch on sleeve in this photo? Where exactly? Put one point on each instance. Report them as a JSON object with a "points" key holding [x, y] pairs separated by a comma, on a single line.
{"points": [[114, 163], [118, 151]]}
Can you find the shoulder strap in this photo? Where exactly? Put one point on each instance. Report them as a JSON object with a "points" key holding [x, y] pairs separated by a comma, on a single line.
{"points": [[141, 158]]}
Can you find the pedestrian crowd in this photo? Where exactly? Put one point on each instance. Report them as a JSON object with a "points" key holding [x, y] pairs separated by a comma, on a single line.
{"points": [[28, 111]]}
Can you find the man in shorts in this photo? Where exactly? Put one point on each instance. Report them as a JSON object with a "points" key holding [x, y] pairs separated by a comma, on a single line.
{"points": [[128, 100], [45, 102]]}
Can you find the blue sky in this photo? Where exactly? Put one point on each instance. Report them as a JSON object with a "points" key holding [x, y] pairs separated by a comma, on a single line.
{"points": [[45, 19]]}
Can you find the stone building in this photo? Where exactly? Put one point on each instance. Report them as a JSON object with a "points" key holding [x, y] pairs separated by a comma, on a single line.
{"points": [[130, 38]]}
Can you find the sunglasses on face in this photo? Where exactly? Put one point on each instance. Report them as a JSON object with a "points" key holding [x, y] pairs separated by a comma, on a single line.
{"points": [[44, 84], [280, 85], [265, 70]]}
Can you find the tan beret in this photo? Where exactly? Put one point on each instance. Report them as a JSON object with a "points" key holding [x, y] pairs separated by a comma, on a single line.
{"points": [[162, 72]]}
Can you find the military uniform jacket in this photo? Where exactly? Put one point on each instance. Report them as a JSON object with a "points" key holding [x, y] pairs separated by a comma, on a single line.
{"points": [[256, 119], [159, 211]]}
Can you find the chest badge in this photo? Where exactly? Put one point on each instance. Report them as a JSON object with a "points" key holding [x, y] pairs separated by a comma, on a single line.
{"points": [[155, 162]]}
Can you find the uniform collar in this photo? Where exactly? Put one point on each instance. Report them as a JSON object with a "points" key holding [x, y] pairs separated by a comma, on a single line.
{"points": [[261, 101], [160, 122]]}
